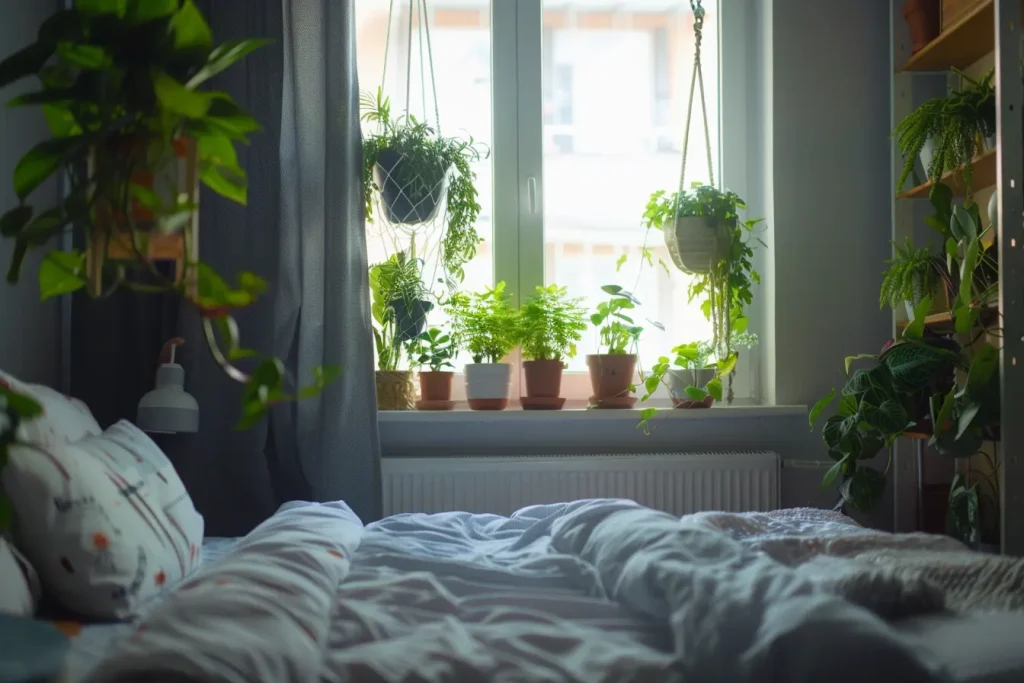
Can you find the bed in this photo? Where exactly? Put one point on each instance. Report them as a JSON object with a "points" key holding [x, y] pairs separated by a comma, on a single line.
{"points": [[588, 591]]}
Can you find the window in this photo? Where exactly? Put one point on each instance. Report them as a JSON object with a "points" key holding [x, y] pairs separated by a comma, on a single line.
{"points": [[583, 105]]}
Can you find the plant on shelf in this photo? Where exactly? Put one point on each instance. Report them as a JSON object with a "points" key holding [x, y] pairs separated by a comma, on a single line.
{"points": [[923, 382], [913, 274], [413, 171], [488, 326], [434, 349], [612, 368], [706, 237], [120, 89], [550, 324], [691, 375], [948, 132]]}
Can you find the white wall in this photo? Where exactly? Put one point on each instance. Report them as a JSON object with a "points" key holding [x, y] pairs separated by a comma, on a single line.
{"points": [[29, 330]]}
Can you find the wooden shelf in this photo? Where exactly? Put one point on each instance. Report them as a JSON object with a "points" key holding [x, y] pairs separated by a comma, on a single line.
{"points": [[938, 320], [962, 44], [984, 167]]}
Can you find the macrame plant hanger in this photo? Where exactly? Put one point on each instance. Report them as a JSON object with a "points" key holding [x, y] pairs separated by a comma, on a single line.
{"points": [[411, 205], [697, 243]]}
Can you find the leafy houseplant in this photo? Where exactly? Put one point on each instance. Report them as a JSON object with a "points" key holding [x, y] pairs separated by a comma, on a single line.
{"points": [[488, 326], [913, 274], [414, 170], [120, 91], [550, 324], [400, 279], [947, 132], [693, 379], [923, 382], [434, 349], [611, 372], [395, 390], [706, 237]]}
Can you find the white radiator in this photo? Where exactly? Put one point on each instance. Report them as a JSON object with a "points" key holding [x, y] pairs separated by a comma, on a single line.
{"points": [[678, 483]]}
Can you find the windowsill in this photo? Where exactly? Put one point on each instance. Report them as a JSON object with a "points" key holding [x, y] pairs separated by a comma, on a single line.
{"points": [[577, 415]]}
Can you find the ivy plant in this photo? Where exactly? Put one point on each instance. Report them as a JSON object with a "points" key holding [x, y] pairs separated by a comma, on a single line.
{"points": [[551, 322]]}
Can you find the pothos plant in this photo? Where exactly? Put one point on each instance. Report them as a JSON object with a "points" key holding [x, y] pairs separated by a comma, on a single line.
{"points": [[618, 333], [410, 163], [690, 356], [551, 322], [726, 289], [923, 382], [486, 323], [121, 86]]}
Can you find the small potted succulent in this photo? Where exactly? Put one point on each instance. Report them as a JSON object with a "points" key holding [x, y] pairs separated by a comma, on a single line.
{"points": [[414, 172], [488, 326], [611, 372], [550, 324], [434, 349]]}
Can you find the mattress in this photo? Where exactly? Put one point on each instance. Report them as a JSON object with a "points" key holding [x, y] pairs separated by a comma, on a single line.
{"points": [[92, 643]]}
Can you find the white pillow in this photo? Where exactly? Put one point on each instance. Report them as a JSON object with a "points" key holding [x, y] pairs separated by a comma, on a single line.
{"points": [[64, 418], [105, 521], [19, 585]]}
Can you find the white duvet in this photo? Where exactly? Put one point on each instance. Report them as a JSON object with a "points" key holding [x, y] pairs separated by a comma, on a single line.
{"points": [[601, 590]]}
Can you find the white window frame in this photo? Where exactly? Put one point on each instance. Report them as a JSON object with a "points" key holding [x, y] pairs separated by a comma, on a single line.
{"points": [[517, 146]]}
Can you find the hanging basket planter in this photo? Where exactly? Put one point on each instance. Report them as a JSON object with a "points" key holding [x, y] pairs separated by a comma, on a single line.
{"points": [[411, 190], [697, 243], [410, 318]]}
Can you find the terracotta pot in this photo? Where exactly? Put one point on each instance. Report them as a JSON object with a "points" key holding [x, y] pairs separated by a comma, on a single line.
{"points": [[543, 378], [436, 385], [611, 374], [922, 17]]}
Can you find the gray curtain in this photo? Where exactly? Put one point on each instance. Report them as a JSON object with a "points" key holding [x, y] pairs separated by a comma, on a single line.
{"points": [[303, 231]]}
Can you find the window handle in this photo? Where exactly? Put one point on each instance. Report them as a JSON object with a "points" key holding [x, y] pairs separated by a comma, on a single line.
{"points": [[531, 193]]}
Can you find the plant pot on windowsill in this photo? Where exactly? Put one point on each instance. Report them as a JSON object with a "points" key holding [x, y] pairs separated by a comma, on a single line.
{"points": [[395, 390], [410, 317], [435, 390], [487, 385], [680, 380], [409, 197], [611, 378], [922, 17], [543, 385], [696, 243]]}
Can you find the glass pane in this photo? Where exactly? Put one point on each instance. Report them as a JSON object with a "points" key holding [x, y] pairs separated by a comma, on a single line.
{"points": [[458, 63], [616, 85]]}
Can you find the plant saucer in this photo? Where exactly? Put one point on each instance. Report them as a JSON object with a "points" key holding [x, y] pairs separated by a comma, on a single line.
{"points": [[435, 405], [541, 402], [620, 402]]}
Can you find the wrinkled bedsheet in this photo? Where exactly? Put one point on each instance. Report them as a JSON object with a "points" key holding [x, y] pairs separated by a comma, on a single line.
{"points": [[600, 590]]}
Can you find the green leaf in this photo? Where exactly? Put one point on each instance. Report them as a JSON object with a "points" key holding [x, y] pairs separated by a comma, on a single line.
{"points": [[968, 228], [225, 183], [26, 407], [191, 32], [715, 388], [611, 289], [819, 407], [832, 474], [890, 418], [847, 406], [61, 272], [61, 122], [41, 162], [983, 367], [850, 360], [915, 330], [17, 259], [967, 267], [219, 151], [84, 56], [863, 489], [177, 99], [25, 62], [620, 262], [941, 421], [214, 294], [224, 56], [94, 7], [740, 324], [142, 11], [12, 222]]}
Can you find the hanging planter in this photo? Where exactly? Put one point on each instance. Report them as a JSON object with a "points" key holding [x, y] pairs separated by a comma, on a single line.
{"points": [[412, 189], [697, 243], [410, 317]]}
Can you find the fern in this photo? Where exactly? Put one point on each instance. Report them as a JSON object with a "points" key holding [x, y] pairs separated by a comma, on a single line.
{"points": [[912, 276]]}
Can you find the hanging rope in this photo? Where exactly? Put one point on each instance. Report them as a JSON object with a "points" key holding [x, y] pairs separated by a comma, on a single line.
{"points": [[697, 82], [419, 10]]}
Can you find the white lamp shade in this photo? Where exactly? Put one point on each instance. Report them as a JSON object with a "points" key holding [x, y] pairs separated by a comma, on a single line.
{"points": [[169, 408]]}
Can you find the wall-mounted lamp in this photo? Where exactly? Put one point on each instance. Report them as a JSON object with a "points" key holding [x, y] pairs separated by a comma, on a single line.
{"points": [[169, 409]]}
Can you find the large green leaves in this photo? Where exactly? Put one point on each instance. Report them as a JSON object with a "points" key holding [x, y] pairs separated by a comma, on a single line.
{"points": [[914, 365], [61, 272], [191, 32], [178, 99], [41, 162], [863, 489], [223, 57]]}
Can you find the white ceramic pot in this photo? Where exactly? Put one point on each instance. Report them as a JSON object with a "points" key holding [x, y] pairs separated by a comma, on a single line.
{"points": [[487, 385], [678, 380]]}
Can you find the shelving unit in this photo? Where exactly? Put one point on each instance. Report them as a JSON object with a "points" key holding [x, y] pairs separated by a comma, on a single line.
{"points": [[991, 27]]}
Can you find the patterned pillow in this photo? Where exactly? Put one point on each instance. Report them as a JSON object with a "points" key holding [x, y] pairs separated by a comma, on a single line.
{"points": [[105, 520], [64, 418]]}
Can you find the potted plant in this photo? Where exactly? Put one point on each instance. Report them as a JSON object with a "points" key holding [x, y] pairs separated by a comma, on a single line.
{"points": [[414, 171], [947, 132], [487, 325], [914, 274], [694, 381], [922, 17], [400, 280], [723, 270], [550, 324], [395, 389], [434, 350], [123, 92], [611, 372]]}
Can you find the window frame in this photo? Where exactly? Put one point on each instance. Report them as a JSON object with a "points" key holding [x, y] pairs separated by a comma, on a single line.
{"points": [[518, 250]]}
